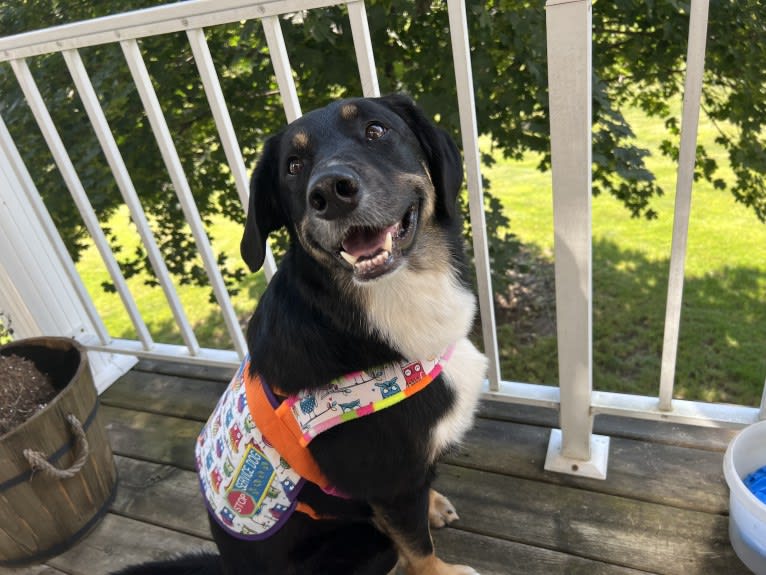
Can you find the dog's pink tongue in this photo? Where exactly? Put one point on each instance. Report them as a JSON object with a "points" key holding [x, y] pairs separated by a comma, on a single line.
{"points": [[367, 242]]}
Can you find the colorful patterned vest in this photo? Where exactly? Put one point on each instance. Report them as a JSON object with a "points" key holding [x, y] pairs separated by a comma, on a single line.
{"points": [[252, 456]]}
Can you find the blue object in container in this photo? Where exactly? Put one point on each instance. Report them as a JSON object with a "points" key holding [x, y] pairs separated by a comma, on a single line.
{"points": [[756, 483]]}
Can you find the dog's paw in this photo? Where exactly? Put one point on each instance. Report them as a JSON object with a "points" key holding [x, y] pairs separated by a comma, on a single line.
{"points": [[440, 511], [435, 566], [450, 569]]}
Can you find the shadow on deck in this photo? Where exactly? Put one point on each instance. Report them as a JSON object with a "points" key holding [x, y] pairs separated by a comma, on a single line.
{"points": [[662, 509]]}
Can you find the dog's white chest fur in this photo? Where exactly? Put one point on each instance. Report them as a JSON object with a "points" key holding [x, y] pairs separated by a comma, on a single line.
{"points": [[420, 314]]}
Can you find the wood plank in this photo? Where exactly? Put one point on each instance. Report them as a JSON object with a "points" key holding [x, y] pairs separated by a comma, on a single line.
{"points": [[549, 520], [152, 437], [181, 369], [677, 476], [491, 556], [710, 438], [165, 394], [149, 497], [697, 437], [153, 494], [118, 542], [684, 478], [162, 495], [31, 570], [635, 534]]}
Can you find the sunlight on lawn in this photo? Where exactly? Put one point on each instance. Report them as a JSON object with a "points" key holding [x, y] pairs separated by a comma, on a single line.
{"points": [[721, 350], [204, 314]]}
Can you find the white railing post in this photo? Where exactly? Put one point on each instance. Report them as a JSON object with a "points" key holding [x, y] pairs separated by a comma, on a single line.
{"points": [[282, 70], [125, 185], [360, 30], [573, 449], [695, 67], [80, 197], [225, 127], [183, 192], [461, 55], [40, 290]]}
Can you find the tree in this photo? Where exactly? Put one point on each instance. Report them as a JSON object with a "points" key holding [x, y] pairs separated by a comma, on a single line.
{"points": [[638, 47]]}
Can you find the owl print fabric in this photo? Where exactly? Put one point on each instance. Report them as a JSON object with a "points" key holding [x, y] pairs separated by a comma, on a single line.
{"points": [[249, 488], [362, 393]]}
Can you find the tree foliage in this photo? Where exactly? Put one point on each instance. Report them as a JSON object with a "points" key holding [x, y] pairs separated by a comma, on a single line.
{"points": [[638, 47]]}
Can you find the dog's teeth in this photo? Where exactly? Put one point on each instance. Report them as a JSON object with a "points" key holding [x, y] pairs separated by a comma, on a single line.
{"points": [[348, 257], [389, 243], [366, 265]]}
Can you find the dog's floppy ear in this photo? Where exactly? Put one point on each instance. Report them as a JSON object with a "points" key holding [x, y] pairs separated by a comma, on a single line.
{"points": [[442, 155], [264, 215]]}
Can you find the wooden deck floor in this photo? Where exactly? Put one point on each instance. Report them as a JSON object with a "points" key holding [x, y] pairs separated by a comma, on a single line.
{"points": [[663, 508]]}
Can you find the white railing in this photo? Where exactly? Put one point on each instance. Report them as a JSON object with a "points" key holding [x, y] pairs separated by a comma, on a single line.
{"points": [[40, 287]]}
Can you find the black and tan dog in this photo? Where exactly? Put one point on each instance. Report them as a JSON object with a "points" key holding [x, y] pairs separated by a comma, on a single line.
{"points": [[373, 278]]}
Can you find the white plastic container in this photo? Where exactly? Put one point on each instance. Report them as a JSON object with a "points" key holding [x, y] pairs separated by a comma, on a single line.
{"points": [[747, 514]]}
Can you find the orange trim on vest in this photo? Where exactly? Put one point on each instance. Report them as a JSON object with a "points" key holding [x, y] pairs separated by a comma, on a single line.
{"points": [[281, 430], [306, 509]]}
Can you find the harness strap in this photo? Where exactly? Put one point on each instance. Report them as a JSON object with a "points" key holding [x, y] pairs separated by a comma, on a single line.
{"points": [[306, 509], [289, 428], [282, 432]]}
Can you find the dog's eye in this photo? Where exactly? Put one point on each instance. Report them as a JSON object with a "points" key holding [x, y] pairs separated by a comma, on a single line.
{"points": [[294, 166], [375, 131]]}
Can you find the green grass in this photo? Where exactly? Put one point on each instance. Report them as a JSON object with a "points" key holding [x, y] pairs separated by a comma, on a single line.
{"points": [[203, 314], [722, 346]]}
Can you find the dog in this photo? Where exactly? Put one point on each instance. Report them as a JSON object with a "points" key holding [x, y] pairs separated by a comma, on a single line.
{"points": [[372, 284]]}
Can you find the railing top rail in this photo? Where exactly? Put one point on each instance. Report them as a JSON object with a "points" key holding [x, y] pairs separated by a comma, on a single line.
{"points": [[148, 22]]}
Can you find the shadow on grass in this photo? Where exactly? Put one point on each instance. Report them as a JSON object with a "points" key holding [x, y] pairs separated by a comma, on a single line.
{"points": [[722, 345]]}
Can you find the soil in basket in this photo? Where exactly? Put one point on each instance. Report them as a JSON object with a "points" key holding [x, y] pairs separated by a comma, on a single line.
{"points": [[24, 391]]}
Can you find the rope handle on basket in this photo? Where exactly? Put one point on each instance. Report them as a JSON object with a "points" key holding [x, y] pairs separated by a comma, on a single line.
{"points": [[38, 462]]}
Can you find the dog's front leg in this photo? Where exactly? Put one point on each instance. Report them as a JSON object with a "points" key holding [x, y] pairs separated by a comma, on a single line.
{"points": [[405, 520]]}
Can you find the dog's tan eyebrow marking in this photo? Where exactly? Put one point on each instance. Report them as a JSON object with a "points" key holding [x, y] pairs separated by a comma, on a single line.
{"points": [[301, 140], [348, 111]]}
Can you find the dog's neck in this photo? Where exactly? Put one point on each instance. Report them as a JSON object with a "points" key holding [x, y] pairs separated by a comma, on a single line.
{"points": [[419, 313]]}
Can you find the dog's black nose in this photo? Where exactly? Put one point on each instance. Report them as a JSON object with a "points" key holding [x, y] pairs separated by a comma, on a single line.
{"points": [[334, 193]]}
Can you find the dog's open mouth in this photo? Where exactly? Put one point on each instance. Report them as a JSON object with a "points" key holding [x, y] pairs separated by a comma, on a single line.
{"points": [[373, 252]]}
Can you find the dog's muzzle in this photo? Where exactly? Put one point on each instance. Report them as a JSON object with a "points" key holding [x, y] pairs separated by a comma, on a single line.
{"points": [[374, 251], [336, 195], [333, 193]]}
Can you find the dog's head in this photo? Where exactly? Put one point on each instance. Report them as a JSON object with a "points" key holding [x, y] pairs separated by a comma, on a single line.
{"points": [[356, 184]]}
